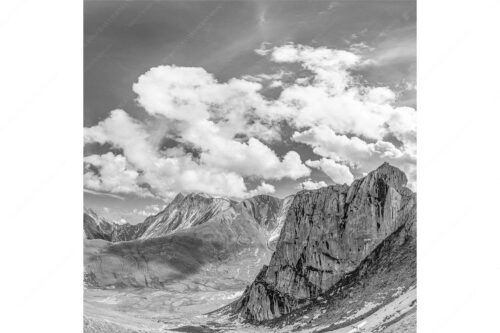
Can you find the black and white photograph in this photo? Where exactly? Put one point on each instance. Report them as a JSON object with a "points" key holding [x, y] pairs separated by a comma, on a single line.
{"points": [[253, 166], [250, 166]]}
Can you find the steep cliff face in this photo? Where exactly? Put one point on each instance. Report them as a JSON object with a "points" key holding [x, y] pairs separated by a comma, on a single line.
{"points": [[327, 233], [379, 295]]}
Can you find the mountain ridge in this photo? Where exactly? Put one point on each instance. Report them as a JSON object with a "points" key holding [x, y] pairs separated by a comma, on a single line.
{"points": [[189, 210]]}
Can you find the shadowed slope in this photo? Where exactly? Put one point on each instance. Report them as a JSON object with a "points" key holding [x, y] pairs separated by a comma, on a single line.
{"points": [[158, 261]]}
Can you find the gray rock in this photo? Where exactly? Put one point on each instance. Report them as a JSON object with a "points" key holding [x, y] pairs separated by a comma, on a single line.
{"points": [[327, 233]]}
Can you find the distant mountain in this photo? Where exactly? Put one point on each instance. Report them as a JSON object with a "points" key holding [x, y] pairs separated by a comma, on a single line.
{"points": [[334, 236], [188, 211], [195, 235], [97, 227]]}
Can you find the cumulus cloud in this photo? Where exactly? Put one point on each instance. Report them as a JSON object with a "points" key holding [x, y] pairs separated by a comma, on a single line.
{"points": [[311, 185], [332, 97], [111, 173], [263, 188], [210, 115], [342, 119], [142, 164], [192, 96], [339, 173], [147, 211], [225, 130], [361, 155], [200, 112]]}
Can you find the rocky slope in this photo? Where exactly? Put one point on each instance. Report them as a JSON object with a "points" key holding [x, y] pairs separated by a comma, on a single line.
{"points": [[327, 234], [195, 209], [97, 227], [187, 211]]}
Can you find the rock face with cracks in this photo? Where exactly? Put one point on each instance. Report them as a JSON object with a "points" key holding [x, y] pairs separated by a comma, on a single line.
{"points": [[327, 233]]}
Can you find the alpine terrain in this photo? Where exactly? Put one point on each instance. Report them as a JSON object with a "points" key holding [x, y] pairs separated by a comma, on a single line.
{"points": [[199, 251], [345, 253], [337, 259]]}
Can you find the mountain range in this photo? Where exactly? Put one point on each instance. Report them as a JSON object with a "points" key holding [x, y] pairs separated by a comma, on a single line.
{"points": [[321, 259], [192, 231]]}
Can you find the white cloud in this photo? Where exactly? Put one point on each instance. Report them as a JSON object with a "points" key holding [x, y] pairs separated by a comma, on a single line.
{"points": [[147, 211], [111, 173], [310, 185], [360, 154], [263, 188], [86, 190], [339, 173], [332, 97], [124, 132], [143, 164], [222, 163], [231, 125], [263, 49], [329, 66]]}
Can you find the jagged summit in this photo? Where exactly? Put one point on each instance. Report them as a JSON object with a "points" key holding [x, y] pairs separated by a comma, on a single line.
{"points": [[390, 174]]}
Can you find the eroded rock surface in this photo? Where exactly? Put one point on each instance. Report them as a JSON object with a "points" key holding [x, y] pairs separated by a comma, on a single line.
{"points": [[327, 233]]}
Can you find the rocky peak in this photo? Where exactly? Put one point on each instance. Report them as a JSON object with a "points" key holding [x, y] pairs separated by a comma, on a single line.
{"points": [[326, 234], [389, 174], [186, 211], [178, 198]]}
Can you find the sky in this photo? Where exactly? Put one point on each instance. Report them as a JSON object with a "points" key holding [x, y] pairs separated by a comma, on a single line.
{"points": [[238, 98]]}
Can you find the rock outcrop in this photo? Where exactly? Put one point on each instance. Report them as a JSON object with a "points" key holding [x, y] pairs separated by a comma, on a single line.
{"points": [[327, 233]]}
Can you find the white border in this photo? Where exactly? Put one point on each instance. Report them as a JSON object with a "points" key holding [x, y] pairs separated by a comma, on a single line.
{"points": [[41, 149], [41, 166]]}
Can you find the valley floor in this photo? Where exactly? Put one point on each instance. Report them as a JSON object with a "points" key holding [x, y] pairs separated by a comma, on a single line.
{"points": [[149, 310], [175, 310]]}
